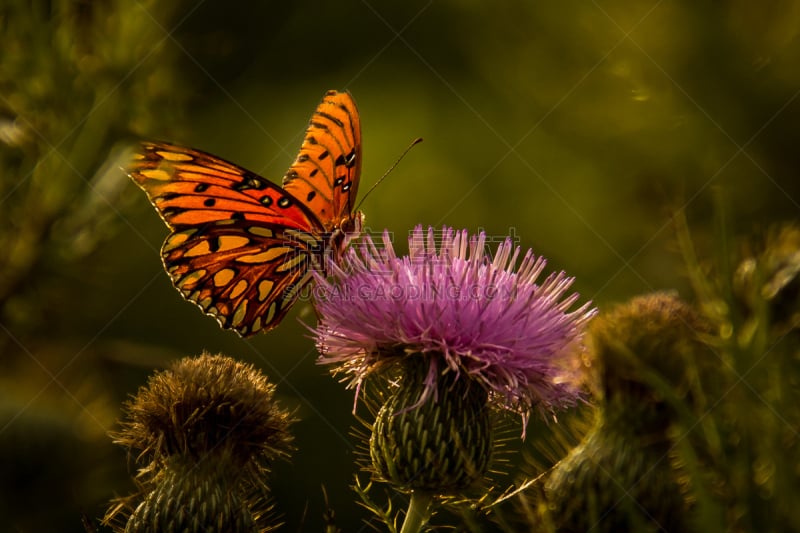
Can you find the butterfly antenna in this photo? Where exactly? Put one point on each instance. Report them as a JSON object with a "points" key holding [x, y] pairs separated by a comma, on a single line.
{"points": [[410, 146]]}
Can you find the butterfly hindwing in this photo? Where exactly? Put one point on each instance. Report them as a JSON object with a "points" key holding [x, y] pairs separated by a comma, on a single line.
{"points": [[247, 278], [326, 173]]}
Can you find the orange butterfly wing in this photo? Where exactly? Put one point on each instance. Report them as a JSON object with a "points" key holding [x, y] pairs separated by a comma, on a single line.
{"points": [[247, 280], [241, 247], [326, 173], [189, 188]]}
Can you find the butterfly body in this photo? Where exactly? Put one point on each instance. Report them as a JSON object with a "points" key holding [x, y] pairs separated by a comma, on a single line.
{"points": [[242, 247]]}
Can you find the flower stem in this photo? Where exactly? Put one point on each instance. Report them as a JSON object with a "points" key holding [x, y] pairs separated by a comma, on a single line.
{"points": [[419, 511]]}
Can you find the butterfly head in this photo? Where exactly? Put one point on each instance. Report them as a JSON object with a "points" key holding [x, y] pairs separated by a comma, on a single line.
{"points": [[348, 229], [352, 224]]}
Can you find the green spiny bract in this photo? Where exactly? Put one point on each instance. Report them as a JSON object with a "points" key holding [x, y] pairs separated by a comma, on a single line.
{"points": [[441, 445]]}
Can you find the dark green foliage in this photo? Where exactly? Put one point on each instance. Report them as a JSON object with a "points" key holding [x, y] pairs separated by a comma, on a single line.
{"points": [[745, 454]]}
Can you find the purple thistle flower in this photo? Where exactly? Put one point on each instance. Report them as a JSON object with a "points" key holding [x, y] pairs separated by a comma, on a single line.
{"points": [[468, 313]]}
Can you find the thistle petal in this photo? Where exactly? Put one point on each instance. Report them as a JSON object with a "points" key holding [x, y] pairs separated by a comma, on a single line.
{"points": [[483, 317]]}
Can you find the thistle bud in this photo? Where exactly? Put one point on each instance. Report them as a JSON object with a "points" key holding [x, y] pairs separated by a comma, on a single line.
{"points": [[620, 477], [441, 445], [193, 498], [205, 433]]}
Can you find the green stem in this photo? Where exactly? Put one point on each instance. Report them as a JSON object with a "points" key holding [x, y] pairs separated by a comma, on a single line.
{"points": [[419, 511]]}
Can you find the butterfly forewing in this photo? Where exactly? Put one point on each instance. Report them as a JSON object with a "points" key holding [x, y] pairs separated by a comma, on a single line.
{"points": [[190, 187], [325, 175], [242, 247]]}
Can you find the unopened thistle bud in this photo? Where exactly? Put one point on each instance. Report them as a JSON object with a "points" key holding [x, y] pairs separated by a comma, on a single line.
{"points": [[620, 477]]}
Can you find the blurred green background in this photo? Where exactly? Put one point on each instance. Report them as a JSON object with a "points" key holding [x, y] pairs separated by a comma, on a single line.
{"points": [[579, 126]]}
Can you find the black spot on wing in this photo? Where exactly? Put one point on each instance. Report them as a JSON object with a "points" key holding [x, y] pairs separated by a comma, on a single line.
{"points": [[350, 160], [333, 119], [290, 175], [213, 244], [170, 212], [250, 182]]}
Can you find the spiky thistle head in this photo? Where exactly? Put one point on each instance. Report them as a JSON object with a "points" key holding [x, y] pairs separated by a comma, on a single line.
{"points": [[211, 404], [204, 432], [641, 350], [467, 313], [461, 332]]}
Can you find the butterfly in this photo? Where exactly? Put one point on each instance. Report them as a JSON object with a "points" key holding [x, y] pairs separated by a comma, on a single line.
{"points": [[240, 246]]}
